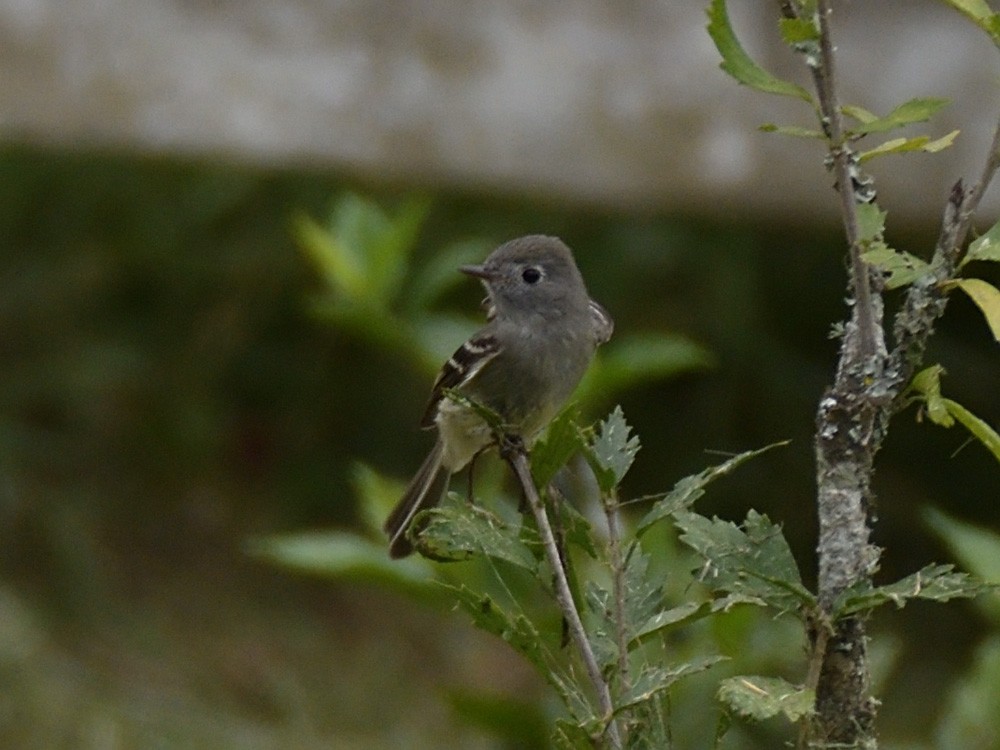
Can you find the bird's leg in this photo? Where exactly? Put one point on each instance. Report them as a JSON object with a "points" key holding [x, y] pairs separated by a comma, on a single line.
{"points": [[508, 444]]}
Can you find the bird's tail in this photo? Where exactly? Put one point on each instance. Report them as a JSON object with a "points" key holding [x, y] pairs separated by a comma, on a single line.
{"points": [[424, 491]]}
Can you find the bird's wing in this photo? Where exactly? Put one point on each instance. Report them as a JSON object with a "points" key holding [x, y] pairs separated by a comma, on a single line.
{"points": [[603, 324], [460, 368]]}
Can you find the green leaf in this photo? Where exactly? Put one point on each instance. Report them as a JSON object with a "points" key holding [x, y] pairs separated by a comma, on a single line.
{"points": [[981, 14], [738, 64], [860, 114], [438, 274], [937, 583], [902, 145], [987, 299], [640, 358], [517, 630], [612, 450], [342, 555], [576, 529], [522, 635], [902, 267], [570, 735], [759, 698], [382, 243], [943, 411], [907, 113], [979, 428], [976, 547], [493, 420], [792, 130], [753, 560], [692, 487], [927, 383], [453, 534], [643, 593], [337, 265], [653, 680], [561, 441], [871, 222], [670, 619], [986, 247]]}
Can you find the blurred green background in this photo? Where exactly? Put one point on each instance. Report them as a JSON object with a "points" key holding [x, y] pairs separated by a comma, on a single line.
{"points": [[168, 392]]}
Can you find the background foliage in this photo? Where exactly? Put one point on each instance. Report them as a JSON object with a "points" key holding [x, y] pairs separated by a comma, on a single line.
{"points": [[173, 387]]}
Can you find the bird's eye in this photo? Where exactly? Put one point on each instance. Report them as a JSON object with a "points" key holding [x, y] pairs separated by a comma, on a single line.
{"points": [[531, 275]]}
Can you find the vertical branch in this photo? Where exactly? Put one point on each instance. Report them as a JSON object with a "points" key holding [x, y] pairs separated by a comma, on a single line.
{"points": [[848, 433], [851, 187], [518, 460]]}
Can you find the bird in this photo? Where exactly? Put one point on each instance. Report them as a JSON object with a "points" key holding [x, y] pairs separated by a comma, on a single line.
{"points": [[541, 334]]}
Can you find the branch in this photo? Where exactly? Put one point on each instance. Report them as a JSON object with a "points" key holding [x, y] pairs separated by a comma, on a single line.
{"points": [[610, 504], [848, 432], [925, 301], [518, 460], [852, 186]]}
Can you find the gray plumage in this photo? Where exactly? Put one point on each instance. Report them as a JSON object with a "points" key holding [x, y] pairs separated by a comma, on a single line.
{"points": [[523, 364]]}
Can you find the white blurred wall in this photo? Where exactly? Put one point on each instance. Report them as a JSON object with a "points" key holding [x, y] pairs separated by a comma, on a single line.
{"points": [[617, 103]]}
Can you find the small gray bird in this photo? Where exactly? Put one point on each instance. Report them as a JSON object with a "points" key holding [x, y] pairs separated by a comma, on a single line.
{"points": [[541, 335]]}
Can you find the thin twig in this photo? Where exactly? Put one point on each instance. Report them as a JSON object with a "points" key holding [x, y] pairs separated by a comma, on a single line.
{"points": [[518, 460], [618, 584], [871, 340], [925, 303]]}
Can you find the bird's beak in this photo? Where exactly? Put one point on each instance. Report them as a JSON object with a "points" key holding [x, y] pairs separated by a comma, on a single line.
{"points": [[480, 272]]}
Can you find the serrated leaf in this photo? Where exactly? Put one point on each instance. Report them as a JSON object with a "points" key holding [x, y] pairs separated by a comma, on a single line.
{"points": [[981, 14], [561, 441], [453, 534], [760, 698], [792, 130], [938, 583], [902, 145], [653, 680], [669, 619], [978, 427], [692, 487], [571, 735], [576, 529], [987, 299], [871, 222], [738, 64], [522, 635], [612, 450], [753, 560], [517, 630], [986, 247], [915, 110], [643, 594], [902, 267]]}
